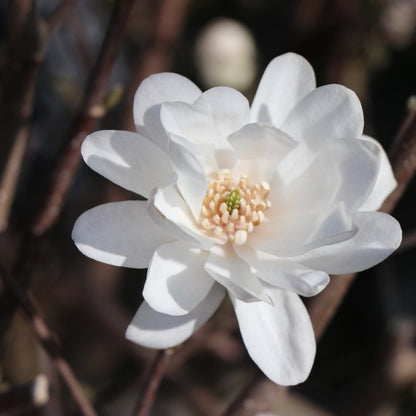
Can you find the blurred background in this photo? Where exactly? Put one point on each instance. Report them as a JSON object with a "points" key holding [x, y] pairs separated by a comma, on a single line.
{"points": [[366, 360]]}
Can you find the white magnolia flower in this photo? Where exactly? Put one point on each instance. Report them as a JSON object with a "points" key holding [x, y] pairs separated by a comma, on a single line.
{"points": [[259, 203]]}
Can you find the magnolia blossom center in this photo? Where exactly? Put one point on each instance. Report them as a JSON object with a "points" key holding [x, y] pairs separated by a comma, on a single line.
{"points": [[233, 210]]}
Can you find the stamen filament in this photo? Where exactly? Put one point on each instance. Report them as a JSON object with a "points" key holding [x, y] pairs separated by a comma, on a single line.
{"points": [[232, 211]]}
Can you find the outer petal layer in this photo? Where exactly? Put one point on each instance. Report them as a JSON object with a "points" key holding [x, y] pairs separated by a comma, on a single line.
{"points": [[192, 181], [127, 159], [385, 183], [208, 122], [378, 236], [152, 92], [278, 337], [152, 329], [119, 233], [228, 269], [284, 273], [259, 148], [291, 236], [176, 281], [344, 170], [328, 112], [286, 80]]}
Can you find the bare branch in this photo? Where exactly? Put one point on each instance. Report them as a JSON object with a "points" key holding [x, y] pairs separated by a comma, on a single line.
{"points": [[60, 13], [26, 41], [24, 46], [403, 156], [152, 382], [91, 111], [49, 343]]}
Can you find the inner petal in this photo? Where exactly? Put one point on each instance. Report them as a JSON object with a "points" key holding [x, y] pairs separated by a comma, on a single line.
{"points": [[232, 209]]}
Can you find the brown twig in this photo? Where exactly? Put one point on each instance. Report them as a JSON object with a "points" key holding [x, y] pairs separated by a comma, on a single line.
{"points": [[59, 13], [152, 383], [255, 397], [91, 111], [26, 43], [49, 343], [408, 242], [403, 156], [24, 46], [323, 307], [25, 397]]}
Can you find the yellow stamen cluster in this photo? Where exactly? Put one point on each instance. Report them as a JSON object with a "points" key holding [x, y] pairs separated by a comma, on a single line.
{"points": [[232, 210]]}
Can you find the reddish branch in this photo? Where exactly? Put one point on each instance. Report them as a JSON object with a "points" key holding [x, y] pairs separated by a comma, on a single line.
{"points": [[22, 60], [92, 110], [60, 13], [26, 42], [49, 343], [323, 306], [403, 156], [152, 383]]}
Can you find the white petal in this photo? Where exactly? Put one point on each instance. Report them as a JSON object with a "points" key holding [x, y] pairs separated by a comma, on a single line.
{"points": [[284, 273], [378, 236], [187, 126], [152, 329], [119, 233], [328, 112], [228, 269], [127, 159], [176, 280], [344, 170], [290, 236], [192, 182], [259, 148], [357, 164], [286, 80], [154, 91], [168, 209], [278, 337], [208, 122], [385, 183]]}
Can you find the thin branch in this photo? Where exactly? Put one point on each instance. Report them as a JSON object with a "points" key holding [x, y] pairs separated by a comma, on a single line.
{"points": [[408, 242], [60, 13], [403, 156], [92, 110], [24, 48], [323, 307], [49, 343], [26, 43], [152, 383], [255, 397]]}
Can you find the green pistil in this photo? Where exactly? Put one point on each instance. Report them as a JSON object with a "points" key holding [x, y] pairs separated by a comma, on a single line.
{"points": [[233, 200]]}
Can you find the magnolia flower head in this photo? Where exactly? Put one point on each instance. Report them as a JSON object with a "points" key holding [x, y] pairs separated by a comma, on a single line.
{"points": [[260, 203]]}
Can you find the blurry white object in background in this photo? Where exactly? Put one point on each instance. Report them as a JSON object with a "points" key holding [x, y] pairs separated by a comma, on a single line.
{"points": [[398, 22], [225, 53]]}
